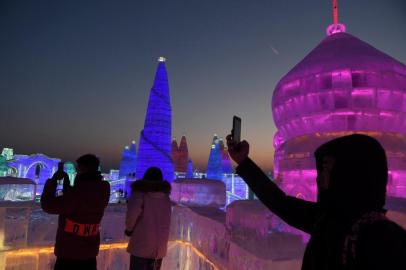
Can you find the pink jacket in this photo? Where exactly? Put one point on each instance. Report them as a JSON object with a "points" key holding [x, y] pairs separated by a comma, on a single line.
{"points": [[148, 218]]}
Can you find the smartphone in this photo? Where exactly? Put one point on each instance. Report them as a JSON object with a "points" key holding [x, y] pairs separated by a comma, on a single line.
{"points": [[236, 131], [59, 187]]}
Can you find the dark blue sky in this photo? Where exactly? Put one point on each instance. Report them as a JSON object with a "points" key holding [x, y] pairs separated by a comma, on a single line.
{"points": [[75, 75]]}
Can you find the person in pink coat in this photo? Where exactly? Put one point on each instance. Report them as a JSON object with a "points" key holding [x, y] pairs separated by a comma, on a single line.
{"points": [[148, 220]]}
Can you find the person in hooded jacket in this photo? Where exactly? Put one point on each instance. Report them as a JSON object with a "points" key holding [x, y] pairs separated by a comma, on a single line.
{"points": [[80, 211], [148, 221], [347, 224]]}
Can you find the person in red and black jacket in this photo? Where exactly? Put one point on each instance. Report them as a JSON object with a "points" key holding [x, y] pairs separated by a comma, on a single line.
{"points": [[80, 209]]}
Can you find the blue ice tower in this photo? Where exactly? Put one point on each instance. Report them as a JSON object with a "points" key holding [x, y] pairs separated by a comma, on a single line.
{"points": [[225, 159], [214, 165], [128, 161], [155, 139], [189, 172]]}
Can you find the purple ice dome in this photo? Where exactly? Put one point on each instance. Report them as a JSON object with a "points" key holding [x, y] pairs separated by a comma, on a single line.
{"points": [[341, 87]]}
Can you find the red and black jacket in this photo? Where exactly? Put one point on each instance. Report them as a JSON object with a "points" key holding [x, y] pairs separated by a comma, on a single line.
{"points": [[80, 211]]}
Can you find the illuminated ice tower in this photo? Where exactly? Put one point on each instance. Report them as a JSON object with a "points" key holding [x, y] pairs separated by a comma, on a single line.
{"points": [[180, 157], [226, 166], [155, 138], [214, 165], [183, 155], [341, 87], [128, 161]]}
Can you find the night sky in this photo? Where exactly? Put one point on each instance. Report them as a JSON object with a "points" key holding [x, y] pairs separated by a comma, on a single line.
{"points": [[75, 75]]}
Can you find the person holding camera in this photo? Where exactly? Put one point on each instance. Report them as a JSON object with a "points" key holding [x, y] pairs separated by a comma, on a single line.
{"points": [[80, 209]]}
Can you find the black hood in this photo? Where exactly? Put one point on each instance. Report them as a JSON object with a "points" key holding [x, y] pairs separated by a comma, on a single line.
{"points": [[359, 175], [151, 186]]}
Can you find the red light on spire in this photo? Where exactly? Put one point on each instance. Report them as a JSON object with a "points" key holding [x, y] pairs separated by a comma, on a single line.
{"points": [[336, 27], [335, 12]]}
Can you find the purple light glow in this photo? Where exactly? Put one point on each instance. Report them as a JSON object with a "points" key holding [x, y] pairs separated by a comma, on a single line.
{"points": [[341, 87]]}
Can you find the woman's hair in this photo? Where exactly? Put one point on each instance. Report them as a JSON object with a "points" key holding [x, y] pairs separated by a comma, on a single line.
{"points": [[153, 174]]}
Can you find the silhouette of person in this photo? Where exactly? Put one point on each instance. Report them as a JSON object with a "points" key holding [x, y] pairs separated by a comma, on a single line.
{"points": [[80, 211], [347, 224], [148, 221]]}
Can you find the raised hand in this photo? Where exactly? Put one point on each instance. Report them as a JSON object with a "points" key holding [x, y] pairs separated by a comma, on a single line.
{"points": [[238, 152]]}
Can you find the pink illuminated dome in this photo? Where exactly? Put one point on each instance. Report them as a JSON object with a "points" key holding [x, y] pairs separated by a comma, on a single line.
{"points": [[343, 86]]}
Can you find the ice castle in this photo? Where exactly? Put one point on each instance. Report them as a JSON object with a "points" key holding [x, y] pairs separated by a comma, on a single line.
{"points": [[155, 139], [342, 86]]}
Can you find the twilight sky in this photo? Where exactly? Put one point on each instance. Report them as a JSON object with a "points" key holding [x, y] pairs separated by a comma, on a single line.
{"points": [[75, 75]]}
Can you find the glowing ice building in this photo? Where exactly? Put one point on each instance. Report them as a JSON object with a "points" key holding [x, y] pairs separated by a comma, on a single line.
{"points": [[219, 161], [214, 166], [180, 155], [189, 172], [128, 161], [37, 167], [155, 138], [343, 86], [225, 159]]}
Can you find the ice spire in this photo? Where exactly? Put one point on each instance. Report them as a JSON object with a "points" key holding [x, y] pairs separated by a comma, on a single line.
{"points": [[189, 173], [183, 154], [225, 158], [336, 27], [155, 138], [128, 161], [214, 166]]}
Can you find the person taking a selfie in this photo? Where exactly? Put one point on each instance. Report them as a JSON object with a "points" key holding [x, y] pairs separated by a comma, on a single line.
{"points": [[347, 223]]}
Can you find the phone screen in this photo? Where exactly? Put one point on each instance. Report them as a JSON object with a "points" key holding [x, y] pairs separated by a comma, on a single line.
{"points": [[236, 132], [59, 187]]}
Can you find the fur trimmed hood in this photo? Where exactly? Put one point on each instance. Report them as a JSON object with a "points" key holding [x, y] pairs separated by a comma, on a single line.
{"points": [[151, 186]]}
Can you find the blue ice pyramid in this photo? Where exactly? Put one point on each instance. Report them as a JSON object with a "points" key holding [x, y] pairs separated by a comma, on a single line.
{"points": [[155, 139]]}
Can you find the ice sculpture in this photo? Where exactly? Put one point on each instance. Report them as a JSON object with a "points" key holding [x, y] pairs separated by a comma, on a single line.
{"points": [[189, 172], [128, 161], [343, 86], [70, 169], [17, 197], [199, 192], [155, 138], [175, 153], [37, 167], [14, 190], [8, 153], [214, 165], [3, 166], [226, 166], [183, 155], [180, 155]]}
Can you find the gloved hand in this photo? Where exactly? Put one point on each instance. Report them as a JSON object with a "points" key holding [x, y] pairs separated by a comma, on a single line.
{"points": [[128, 233]]}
